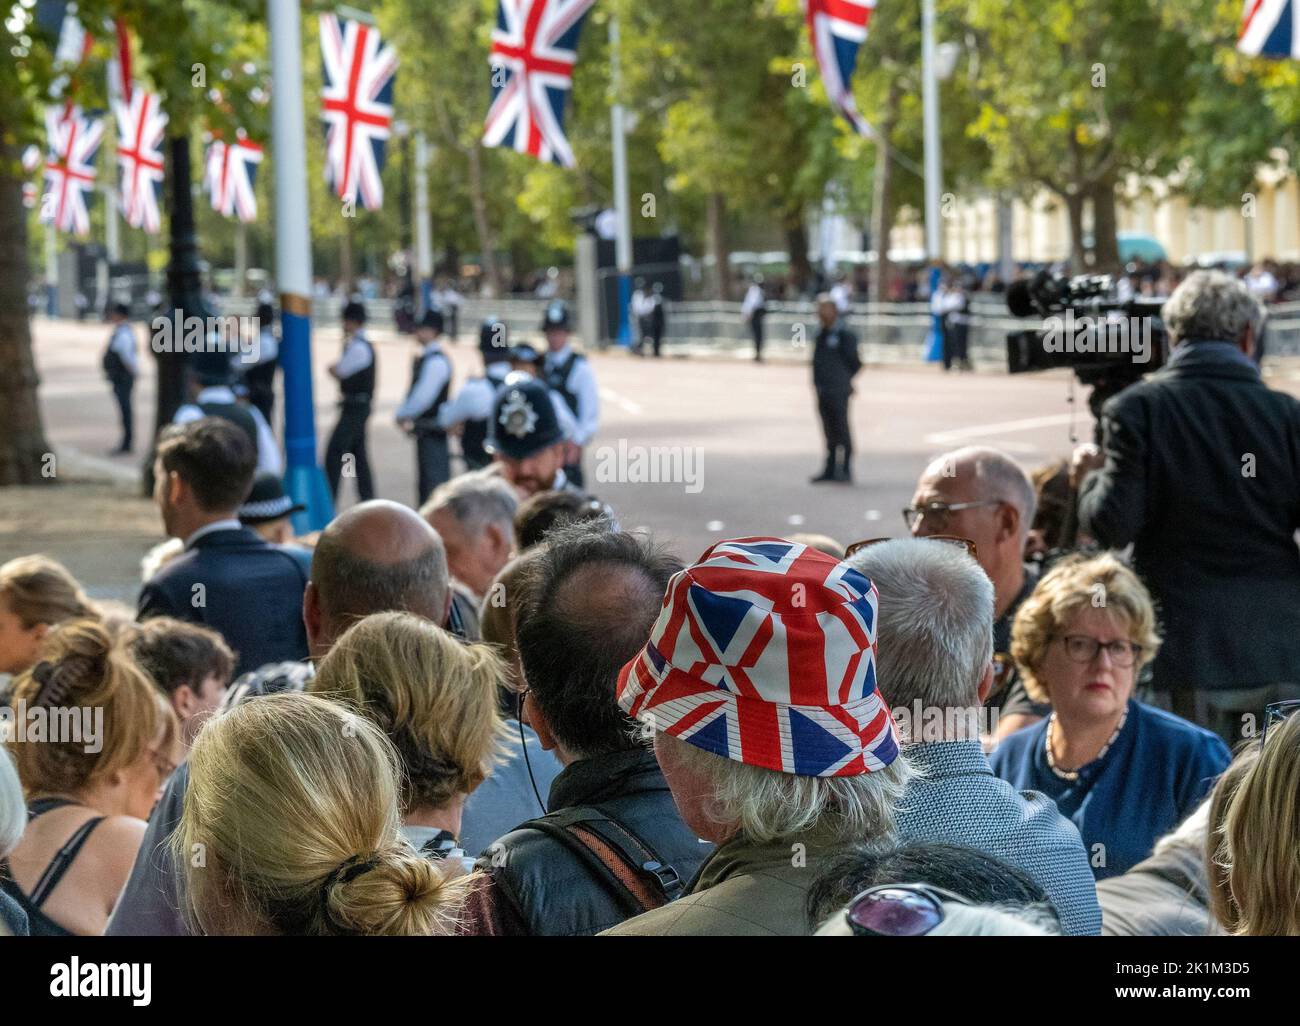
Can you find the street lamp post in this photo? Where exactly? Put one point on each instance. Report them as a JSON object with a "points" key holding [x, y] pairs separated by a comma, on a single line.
{"points": [[623, 234]]}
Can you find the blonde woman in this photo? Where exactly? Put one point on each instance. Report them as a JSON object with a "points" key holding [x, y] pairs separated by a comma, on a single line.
{"points": [[1125, 773], [436, 699], [1260, 849], [93, 740], [36, 593], [291, 828]]}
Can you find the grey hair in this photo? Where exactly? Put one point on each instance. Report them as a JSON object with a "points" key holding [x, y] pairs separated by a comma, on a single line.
{"points": [[997, 476], [934, 628], [476, 500], [995, 921], [1210, 306], [13, 809], [767, 805]]}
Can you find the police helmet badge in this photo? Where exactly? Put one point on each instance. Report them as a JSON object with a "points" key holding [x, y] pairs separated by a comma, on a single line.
{"points": [[517, 417]]}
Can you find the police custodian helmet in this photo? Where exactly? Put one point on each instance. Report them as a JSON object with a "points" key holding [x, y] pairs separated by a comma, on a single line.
{"points": [[523, 420], [556, 316]]}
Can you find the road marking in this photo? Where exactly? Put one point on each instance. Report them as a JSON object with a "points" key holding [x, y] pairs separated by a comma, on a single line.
{"points": [[1027, 424], [609, 395]]}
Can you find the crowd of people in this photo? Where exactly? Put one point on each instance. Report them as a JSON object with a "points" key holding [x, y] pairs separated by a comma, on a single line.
{"points": [[1061, 705]]}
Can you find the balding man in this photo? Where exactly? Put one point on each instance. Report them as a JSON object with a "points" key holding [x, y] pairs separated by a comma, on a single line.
{"points": [[981, 494], [377, 557]]}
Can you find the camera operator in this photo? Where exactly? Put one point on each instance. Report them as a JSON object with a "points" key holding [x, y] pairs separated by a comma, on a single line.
{"points": [[1200, 471]]}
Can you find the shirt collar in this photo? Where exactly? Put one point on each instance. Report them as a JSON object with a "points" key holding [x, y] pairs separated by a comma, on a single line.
{"points": [[215, 394], [600, 777], [432, 347], [559, 354], [231, 524], [949, 758], [740, 856]]}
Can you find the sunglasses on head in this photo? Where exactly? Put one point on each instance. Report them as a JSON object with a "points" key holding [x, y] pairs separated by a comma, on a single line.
{"points": [[1275, 713], [898, 910], [947, 539]]}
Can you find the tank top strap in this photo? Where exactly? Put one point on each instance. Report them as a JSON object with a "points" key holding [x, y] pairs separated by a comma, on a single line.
{"points": [[62, 861]]}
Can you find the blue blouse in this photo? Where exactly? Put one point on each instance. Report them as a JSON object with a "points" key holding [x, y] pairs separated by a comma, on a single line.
{"points": [[1156, 773]]}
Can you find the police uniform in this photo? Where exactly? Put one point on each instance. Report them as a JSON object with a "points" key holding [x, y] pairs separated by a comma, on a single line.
{"points": [[357, 373], [835, 361], [472, 405], [569, 374], [120, 367], [216, 398], [430, 387]]}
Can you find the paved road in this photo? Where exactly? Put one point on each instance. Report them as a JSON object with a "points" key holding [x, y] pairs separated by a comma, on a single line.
{"points": [[751, 431]]}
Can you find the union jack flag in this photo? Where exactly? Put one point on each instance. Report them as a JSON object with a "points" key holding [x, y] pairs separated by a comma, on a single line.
{"points": [[70, 168], [764, 652], [1270, 28], [140, 126], [229, 175], [838, 28], [357, 107], [534, 49]]}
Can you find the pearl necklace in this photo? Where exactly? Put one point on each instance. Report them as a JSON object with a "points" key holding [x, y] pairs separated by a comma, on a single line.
{"points": [[1074, 774]]}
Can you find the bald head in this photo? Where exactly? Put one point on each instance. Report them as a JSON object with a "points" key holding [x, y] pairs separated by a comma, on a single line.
{"points": [[377, 557]]}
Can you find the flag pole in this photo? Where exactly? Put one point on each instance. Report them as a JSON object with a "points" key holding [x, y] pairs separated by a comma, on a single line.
{"points": [[304, 479], [933, 153], [623, 232], [423, 236]]}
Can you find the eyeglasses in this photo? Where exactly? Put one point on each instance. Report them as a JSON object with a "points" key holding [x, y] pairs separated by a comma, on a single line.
{"points": [[1275, 713], [947, 539], [898, 910], [1083, 649], [938, 512]]}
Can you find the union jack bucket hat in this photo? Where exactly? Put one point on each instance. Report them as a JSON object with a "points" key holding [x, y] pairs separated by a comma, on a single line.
{"points": [[765, 652]]}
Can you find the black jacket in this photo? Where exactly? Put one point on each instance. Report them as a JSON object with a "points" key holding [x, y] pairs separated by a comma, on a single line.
{"points": [[251, 594], [541, 888], [1202, 475], [835, 360]]}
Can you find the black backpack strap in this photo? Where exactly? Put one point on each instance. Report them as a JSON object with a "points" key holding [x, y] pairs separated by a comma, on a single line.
{"points": [[629, 867]]}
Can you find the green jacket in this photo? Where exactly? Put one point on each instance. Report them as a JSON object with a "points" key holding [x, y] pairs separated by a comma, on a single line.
{"points": [[743, 889]]}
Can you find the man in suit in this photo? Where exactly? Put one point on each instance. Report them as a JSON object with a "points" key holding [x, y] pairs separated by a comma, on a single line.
{"points": [[228, 578], [1199, 470], [835, 361]]}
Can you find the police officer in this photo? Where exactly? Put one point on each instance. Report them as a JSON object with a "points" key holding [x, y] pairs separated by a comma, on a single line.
{"points": [[835, 361], [655, 316], [260, 377], [121, 367], [526, 439], [418, 414], [469, 411], [569, 373], [212, 394], [753, 309], [956, 327], [355, 371]]}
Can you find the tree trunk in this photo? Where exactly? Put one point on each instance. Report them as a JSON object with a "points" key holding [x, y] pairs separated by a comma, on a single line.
{"points": [[1104, 229], [487, 242], [882, 201], [23, 446], [796, 241], [1074, 205], [717, 231], [184, 283], [346, 274]]}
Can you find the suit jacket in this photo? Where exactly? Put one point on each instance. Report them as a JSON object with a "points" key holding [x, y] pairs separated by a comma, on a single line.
{"points": [[251, 594], [835, 360], [956, 799], [1202, 475]]}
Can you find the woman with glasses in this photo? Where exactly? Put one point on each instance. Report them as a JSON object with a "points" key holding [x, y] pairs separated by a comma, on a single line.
{"points": [[93, 740], [1125, 773]]}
